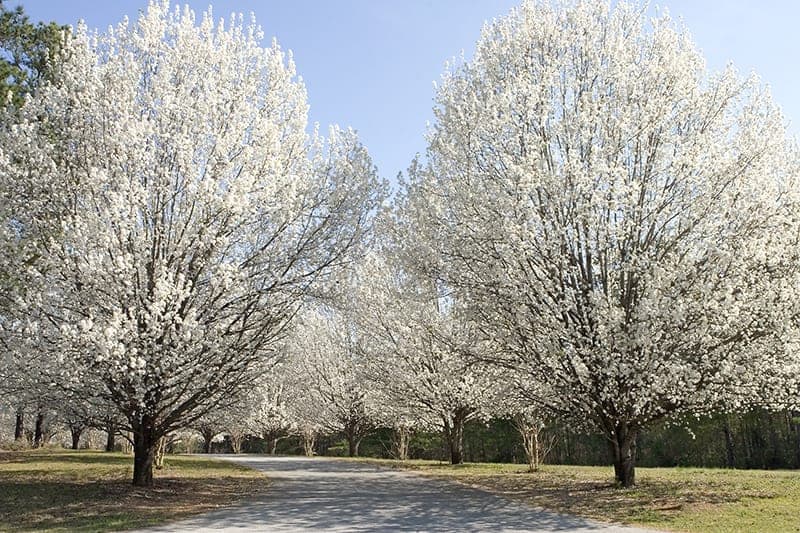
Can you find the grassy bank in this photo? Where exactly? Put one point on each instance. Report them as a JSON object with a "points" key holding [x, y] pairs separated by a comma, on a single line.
{"points": [[675, 499], [60, 490]]}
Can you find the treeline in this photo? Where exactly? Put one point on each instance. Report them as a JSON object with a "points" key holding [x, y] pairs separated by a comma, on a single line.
{"points": [[756, 440]]}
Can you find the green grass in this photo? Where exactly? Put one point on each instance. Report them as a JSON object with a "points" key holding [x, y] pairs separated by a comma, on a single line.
{"points": [[673, 499], [60, 490]]}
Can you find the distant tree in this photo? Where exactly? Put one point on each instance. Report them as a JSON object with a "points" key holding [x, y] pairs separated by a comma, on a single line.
{"points": [[209, 426], [270, 417], [327, 355], [623, 224], [420, 349], [29, 56]]}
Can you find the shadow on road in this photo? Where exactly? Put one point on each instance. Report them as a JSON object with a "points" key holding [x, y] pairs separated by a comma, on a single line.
{"points": [[319, 494]]}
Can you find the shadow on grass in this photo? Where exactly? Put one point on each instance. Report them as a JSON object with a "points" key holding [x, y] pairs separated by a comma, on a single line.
{"points": [[65, 456], [69, 491], [107, 505], [650, 501]]}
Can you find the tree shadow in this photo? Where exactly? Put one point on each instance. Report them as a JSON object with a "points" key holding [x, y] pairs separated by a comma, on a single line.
{"points": [[30, 504], [318, 494]]}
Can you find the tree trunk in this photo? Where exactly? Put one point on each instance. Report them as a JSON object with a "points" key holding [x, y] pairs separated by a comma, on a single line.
{"points": [[207, 444], [145, 442], [273, 445], [530, 441], [400, 441], [236, 442], [110, 436], [161, 448], [796, 424], [530, 429], [75, 432], [38, 433], [309, 440], [19, 425], [730, 457], [623, 454], [352, 445], [454, 432]]}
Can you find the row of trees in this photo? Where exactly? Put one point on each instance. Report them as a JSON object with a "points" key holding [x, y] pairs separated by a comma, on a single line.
{"points": [[600, 234]]}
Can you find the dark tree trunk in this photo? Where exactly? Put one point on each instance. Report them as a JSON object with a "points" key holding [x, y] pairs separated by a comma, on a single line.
{"points": [[796, 424], [19, 425], [75, 432], [38, 432], [353, 442], [208, 436], [623, 455], [145, 444], [730, 457], [110, 436], [454, 432]]}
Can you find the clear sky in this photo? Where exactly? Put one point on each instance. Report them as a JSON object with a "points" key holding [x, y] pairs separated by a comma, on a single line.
{"points": [[371, 64]]}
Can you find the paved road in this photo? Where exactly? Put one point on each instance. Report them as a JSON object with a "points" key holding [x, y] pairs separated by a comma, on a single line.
{"points": [[328, 495]]}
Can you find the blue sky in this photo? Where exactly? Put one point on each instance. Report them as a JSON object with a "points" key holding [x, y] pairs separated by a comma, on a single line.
{"points": [[371, 64]]}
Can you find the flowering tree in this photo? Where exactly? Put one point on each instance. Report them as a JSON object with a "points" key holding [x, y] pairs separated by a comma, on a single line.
{"points": [[621, 221], [209, 426], [326, 352], [269, 415], [180, 210], [420, 352]]}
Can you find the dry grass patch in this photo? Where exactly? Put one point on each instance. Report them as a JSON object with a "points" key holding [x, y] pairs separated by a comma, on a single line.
{"points": [[676, 499], [59, 490]]}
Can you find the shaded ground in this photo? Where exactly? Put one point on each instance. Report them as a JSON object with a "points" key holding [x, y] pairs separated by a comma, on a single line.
{"points": [[329, 495], [60, 490]]}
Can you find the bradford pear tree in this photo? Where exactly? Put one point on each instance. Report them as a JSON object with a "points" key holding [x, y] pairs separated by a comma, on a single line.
{"points": [[623, 221], [420, 350], [209, 426], [326, 350], [269, 416], [182, 211], [28, 54]]}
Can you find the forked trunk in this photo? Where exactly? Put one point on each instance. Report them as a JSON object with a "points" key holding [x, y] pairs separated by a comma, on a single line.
{"points": [[273, 445], [236, 442], [75, 432], [309, 440], [353, 443], [207, 443], [623, 455], [530, 440], [454, 432]]}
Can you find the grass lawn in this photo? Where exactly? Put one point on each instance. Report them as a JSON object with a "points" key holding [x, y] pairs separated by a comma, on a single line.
{"points": [[673, 499], [61, 490]]}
